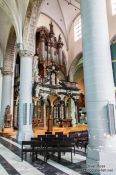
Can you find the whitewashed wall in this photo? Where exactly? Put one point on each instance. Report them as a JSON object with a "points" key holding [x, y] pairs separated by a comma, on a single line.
{"points": [[76, 47]]}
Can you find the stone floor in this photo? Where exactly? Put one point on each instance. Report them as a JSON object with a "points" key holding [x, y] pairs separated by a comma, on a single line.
{"points": [[11, 164]]}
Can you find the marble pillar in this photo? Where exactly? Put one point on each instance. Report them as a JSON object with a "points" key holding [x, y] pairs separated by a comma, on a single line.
{"points": [[52, 49], [44, 111], [99, 87], [77, 110], [25, 131], [73, 112], [6, 94]]}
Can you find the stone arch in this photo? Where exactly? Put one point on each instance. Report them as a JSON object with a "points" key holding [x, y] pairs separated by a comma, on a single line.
{"points": [[10, 51], [73, 66], [30, 24]]}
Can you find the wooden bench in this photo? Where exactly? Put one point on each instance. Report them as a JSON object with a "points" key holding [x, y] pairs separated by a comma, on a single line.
{"points": [[34, 146]]}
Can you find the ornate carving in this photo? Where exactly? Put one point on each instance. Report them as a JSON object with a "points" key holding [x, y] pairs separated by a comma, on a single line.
{"points": [[7, 72], [26, 53], [20, 46]]}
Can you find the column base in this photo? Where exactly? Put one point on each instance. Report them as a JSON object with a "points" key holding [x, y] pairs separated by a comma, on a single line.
{"points": [[101, 162], [25, 134]]}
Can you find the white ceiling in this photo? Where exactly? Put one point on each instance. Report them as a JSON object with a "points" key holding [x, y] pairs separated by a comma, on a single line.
{"points": [[62, 12], [12, 12]]}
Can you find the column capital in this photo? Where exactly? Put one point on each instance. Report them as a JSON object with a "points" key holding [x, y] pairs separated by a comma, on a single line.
{"points": [[5, 72], [20, 46], [26, 53]]}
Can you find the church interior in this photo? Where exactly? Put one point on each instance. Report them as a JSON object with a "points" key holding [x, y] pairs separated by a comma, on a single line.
{"points": [[57, 87]]}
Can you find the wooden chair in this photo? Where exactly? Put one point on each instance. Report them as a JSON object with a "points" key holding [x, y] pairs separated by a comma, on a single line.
{"points": [[26, 148], [82, 139], [48, 132], [65, 146], [59, 134], [38, 147], [51, 146]]}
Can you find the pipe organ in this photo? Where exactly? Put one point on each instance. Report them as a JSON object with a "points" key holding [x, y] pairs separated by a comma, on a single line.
{"points": [[51, 91], [56, 93]]}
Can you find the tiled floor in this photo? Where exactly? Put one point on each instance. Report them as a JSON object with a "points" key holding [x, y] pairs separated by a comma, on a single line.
{"points": [[11, 164]]}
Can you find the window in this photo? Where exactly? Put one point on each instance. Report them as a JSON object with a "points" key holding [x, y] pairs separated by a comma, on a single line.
{"points": [[113, 3], [77, 29]]}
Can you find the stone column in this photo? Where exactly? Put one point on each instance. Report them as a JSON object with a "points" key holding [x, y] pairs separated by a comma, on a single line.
{"points": [[52, 48], [77, 110], [48, 51], [44, 112], [99, 86], [73, 112], [25, 102], [6, 94], [62, 109], [15, 117], [67, 111]]}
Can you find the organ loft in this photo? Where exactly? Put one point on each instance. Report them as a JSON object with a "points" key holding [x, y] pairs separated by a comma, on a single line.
{"points": [[55, 98]]}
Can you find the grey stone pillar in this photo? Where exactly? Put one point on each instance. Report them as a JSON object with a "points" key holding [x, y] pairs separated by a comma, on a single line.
{"points": [[25, 103], [6, 94], [67, 110], [73, 112], [44, 110], [48, 51], [77, 110], [52, 49], [99, 86]]}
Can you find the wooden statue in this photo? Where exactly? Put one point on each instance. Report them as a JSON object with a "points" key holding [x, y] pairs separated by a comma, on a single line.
{"points": [[8, 117]]}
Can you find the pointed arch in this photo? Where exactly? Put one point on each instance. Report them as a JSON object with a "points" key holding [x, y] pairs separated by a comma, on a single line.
{"points": [[10, 51], [30, 24]]}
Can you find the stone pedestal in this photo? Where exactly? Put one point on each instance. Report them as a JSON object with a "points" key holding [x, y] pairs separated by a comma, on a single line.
{"points": [[101, 161]]}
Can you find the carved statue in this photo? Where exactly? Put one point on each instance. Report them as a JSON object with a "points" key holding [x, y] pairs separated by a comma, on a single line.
{"points": [[8, 117]]}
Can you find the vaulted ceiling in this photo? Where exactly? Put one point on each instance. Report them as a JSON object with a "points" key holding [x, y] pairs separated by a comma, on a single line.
{"points": [[63, 12], [12, 12]]}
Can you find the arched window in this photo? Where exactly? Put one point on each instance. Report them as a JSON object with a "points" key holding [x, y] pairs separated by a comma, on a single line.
{"points": [[77, 29], [113, 3]]}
